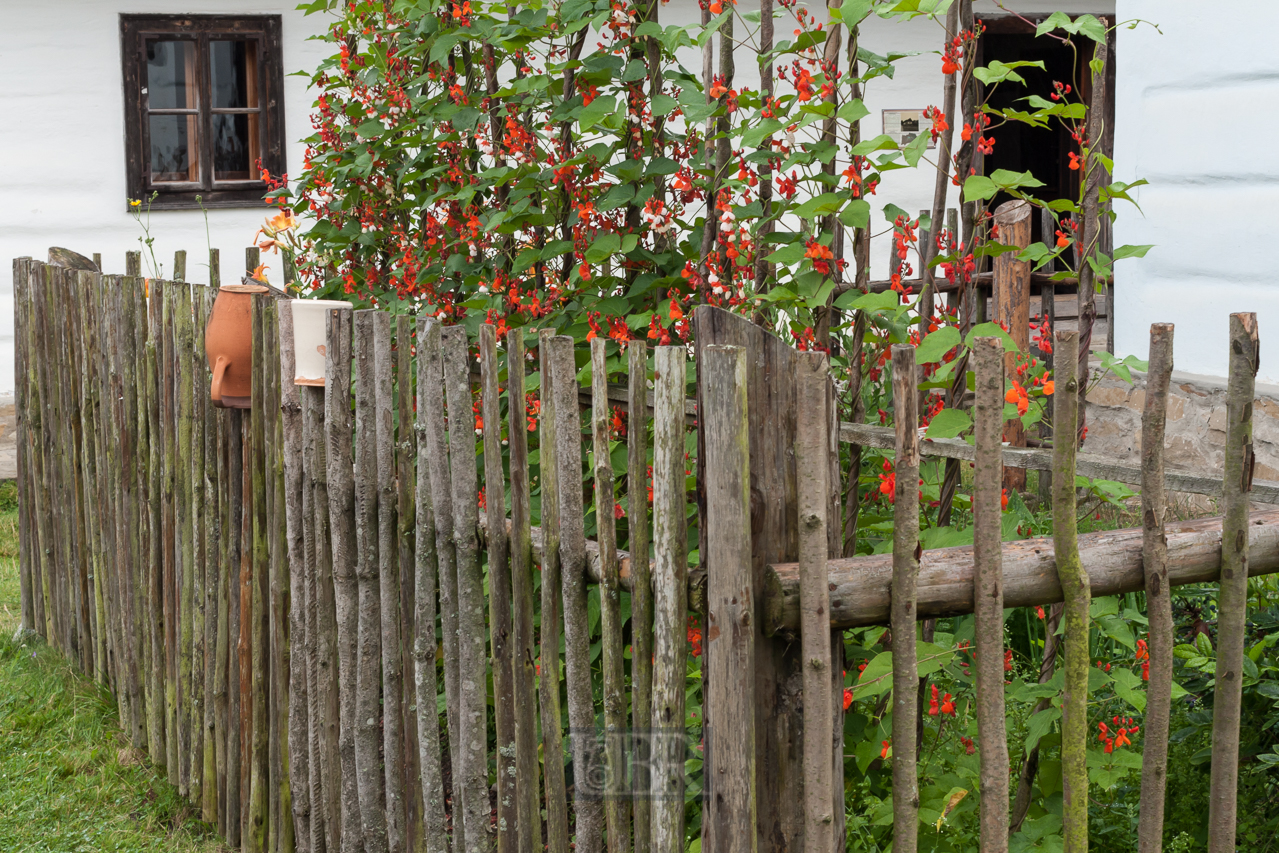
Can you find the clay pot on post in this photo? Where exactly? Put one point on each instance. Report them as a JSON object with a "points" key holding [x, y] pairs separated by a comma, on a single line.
{"points": [[228, 343], [310, 334]]}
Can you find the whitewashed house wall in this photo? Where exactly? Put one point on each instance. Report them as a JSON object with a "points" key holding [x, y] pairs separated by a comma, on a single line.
{"points": [[62, 156]]}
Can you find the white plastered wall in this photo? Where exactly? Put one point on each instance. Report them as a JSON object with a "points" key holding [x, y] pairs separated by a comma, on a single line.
{"points": [[62, 166], [1196, 117]]}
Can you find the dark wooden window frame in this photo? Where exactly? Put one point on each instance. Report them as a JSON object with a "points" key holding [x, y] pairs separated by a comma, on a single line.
{"points": [[135, 30]]}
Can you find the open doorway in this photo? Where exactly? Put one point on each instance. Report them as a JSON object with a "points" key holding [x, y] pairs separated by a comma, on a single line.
{"points": [[1042, 151]]}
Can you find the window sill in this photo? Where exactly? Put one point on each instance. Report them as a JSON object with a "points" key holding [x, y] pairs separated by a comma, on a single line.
{"points": [[209, 201]]}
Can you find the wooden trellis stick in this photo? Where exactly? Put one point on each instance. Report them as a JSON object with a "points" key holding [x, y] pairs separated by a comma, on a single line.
{"points": [[1154, 752], [670, 601], [906, 551], [213, 568], [195, 474], [321, 711], [812, 468], [1075, 585], [230, 646], [988, 593], [186, 531], [1232, 599], [552, 619], [255, 671], [370, 779]]}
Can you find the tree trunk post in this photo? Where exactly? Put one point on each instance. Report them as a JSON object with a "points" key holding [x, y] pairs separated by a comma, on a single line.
{"points": [[1232, 599]]}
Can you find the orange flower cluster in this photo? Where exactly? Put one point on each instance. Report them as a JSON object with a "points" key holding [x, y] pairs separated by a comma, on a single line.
{"points": [[946, 707]]}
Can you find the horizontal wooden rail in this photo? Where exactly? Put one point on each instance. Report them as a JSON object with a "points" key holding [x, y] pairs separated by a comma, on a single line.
{"points": [[1036, 459], [859, 586]]}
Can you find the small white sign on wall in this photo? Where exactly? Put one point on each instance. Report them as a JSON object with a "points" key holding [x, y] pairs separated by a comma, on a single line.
{"points": [[904, 125]]}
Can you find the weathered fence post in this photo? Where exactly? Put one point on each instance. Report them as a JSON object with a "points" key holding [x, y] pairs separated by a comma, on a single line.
{"points": [[552, 595], [1012, 297], [728, 823], [812, 463], [906, 552], [577, 660], [1075, 585], [642, 598], [499, 590], [339, 430], [472, 771], [614, 695], [988, 593], [1232, 607], [523, 651], [670, 602], [1154, 753], [425, 646], [370, 779]]}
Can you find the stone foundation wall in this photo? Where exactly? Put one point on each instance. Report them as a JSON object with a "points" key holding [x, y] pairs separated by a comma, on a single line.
{"points": [[1196, 430]]}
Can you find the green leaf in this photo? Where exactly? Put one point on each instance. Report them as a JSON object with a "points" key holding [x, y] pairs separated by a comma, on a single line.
{"points": [[602, 247], [883, 142], [937, 344], [915, 150], [853, 110], [1132, 251], [596, 111], [997, 72], [991, 330], [856, 214], [948, 423], [1009, 180], [979, 187], [822, 205], [1040, 725]]}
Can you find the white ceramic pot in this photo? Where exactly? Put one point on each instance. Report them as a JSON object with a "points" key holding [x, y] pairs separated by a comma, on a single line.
{"points": [[310, 328]]}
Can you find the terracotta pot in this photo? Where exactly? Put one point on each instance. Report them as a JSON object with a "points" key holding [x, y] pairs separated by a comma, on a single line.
{"points": [[310, 334], [228, 342]]}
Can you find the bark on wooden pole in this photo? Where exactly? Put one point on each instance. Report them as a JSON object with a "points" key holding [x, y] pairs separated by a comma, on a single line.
{"points": [[389, 582], [524, 668], [813, 470], [258, 827], [231, 818], [300, 578], [670, 601], [1012, 308], [1154, 505], [637, 480], [552, 607], [26, 589], [370, 780], [728, 823], [425, 644], [1232, 599], [906, 551], [616, 814], [988, 594], [339, 430], [499, 596], [581, 711], [406, 526], [1090, 233], [472, 770], [1076, 589], [941, 184], [430, 348]]}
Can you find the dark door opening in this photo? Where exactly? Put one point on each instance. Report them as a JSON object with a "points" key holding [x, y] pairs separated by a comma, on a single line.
{"points": [[1042, 151]]}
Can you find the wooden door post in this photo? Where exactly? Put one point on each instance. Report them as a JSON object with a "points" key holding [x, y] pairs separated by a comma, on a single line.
{"points": [[1012, 307]]}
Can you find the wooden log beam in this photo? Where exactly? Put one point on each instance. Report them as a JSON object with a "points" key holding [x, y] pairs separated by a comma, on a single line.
{"points": [[860, 585]]}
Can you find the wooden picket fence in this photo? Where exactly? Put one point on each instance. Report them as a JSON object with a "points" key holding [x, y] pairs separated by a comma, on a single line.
{"points": [[275, 595]]}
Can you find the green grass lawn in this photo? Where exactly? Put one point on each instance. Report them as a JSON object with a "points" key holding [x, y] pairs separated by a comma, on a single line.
{"points": [[68, 779]]}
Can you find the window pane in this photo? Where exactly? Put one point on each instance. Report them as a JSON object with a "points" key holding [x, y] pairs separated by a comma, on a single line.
{"points": [[233, 69], [175, 156], [171, 77], [235, 147]]}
